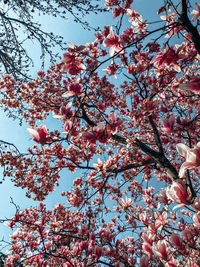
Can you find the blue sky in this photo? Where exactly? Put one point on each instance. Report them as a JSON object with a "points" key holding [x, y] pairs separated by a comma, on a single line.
{"points": [[13, 133]]}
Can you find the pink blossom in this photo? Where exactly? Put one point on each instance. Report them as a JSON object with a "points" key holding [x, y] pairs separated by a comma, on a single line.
{"points": [[187, 235], [177, 241], [112, 41], [39, 134], [126, 203], [134, 17], [196, 218], [65, 112], [101, 133], [196, 13], [161, 220], [160, 249], [111, 70], [168, 124], [182, 123], [114, 122], [70, 128], [193, 85], [144, 261], [160, 10], [74, 89], [192, 157], [90, 138], [72, 64], [177, 192], [169, 58]]}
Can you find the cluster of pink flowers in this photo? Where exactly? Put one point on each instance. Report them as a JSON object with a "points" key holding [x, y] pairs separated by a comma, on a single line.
{"points": [[123, 136]]}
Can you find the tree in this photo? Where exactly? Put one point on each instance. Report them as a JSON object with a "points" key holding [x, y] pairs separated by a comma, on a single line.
{"points": [[19, 29], [18, 26], [137, 201]]}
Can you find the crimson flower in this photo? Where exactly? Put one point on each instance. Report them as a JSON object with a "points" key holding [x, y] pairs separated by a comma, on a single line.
{"points": [[39, 134], [168, 124], [193, 85], [112, 41], [74, 89], [101, 133], [65, 112]]}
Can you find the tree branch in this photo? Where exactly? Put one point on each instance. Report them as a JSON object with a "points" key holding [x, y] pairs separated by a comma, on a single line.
{"points": [[187, 25]]}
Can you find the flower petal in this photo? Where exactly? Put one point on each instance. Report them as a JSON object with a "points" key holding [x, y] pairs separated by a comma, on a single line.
{"points": [[185, 166], [182, 149]]}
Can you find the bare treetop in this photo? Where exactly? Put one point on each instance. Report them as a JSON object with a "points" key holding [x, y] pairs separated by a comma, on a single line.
{"points": [[17, 25]]}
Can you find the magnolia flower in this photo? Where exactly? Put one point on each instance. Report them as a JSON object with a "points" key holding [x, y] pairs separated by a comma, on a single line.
{"points": [[111, 70], [90, 138], [196, 13], [126, 203], [193, 85], [177, 241], [160, 249], [74, 89], [39, 134], [196, 218], [168, 124], [72, 64], [144, 261], [177, 192], [192, 157], [167, 58], [65, 112], [67, 127], [114, 122], [112, 41], [101, 133]]}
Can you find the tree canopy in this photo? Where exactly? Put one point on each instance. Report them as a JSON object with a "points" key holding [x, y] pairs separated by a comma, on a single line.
{"points": [[18, 25], [128, 105]]}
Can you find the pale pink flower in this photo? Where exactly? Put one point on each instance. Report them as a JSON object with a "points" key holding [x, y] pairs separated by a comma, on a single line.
{"points": [[177, 192], [126, 203], [98, 251], [167, 58], [160, 249], [147, 248], [192, 156], [193, 85], [39, 134], [196, 13], [67, 127], [161, 220], [72, 64], [196, 218], [112, 41], [134, 17], [188, 235]]}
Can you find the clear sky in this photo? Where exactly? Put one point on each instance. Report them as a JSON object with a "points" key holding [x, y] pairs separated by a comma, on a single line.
{"points": [[13, 133]]}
